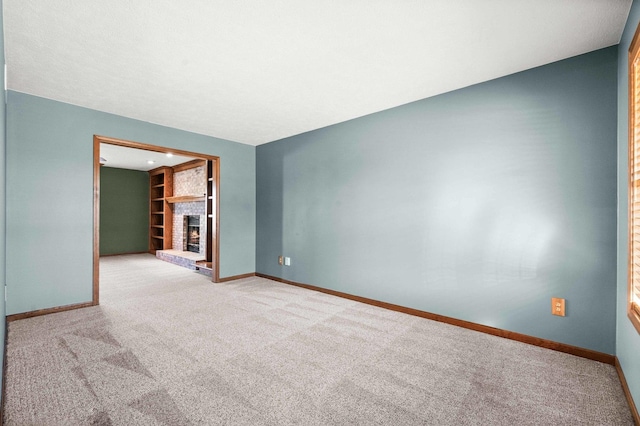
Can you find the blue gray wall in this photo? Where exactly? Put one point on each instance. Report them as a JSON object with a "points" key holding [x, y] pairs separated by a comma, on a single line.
{"points": [[480, 204], [3, 146], [50, 197], [627, 338]]}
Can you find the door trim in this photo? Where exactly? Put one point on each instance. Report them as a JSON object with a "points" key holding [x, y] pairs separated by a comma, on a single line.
{"points": [[215, 244]]}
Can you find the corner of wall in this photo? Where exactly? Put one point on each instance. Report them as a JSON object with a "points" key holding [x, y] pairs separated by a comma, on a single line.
{"points": [[3, 119]]}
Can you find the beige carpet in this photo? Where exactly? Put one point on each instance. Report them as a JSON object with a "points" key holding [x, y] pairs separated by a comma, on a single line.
{"points": [[168, 347]]}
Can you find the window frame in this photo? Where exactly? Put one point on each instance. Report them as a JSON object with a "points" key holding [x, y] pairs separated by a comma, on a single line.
{"points": [[633, 308]]}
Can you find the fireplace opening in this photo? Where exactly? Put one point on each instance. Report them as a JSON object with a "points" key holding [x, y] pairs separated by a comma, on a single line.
{"points": [[191, 240]]}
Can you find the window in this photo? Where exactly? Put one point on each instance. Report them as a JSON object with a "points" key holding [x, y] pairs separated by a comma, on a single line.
{"points": [[633, 309]]}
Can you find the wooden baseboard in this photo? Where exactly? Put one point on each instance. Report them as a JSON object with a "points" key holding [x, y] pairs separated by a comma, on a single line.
{"points": [[627, 393], [236, 277], [524, 338], [47, 311]]}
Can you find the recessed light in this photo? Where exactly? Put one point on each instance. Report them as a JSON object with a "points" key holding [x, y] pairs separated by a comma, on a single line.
{"points": [[150, 162], [169, 154]]}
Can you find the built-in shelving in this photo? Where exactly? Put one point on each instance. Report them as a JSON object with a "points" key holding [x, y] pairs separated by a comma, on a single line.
{"points": [[160, 213]]}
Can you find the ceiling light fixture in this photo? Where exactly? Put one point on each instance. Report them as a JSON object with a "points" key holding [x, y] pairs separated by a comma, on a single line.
{"points": [[150, 162], [169, 154]]}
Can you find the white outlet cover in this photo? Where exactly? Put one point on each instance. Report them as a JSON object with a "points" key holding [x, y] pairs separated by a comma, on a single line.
{"points": [[287, 261]]}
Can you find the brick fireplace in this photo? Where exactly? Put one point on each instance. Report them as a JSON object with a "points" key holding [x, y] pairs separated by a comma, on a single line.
{"points": [[189, 182]]}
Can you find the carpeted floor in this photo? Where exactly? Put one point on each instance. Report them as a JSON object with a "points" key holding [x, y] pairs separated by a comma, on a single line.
{"points": [[168, 347]]}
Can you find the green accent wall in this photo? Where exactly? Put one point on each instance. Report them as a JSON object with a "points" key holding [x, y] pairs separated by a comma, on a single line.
{"points": [[627, 338], [124, 211]]}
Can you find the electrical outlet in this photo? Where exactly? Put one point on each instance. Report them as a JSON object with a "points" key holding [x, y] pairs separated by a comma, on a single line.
{"points": [[558, 306], [280, 260], [287, 261]]}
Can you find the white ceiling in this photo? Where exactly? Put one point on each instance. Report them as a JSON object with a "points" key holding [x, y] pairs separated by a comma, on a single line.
{"points": [[121, 157], [256, 71]]}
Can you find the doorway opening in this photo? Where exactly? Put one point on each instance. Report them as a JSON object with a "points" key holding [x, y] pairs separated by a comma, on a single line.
{"points": [[163, 202]]}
